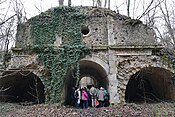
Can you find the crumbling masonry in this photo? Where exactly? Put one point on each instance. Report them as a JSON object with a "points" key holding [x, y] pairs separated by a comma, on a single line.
{"points": [[125, 59]]}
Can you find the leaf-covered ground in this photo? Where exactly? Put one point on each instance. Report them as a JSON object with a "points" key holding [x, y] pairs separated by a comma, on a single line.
{"points": [[124, 110]]}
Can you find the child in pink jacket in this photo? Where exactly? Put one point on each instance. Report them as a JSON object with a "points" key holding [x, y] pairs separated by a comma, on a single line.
{"points": [[84, 98]]}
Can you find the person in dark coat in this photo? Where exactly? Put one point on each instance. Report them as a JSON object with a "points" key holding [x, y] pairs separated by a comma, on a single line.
{"points": [[72, 96]]}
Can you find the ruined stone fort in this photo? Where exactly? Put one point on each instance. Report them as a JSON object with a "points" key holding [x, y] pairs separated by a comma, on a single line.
{"points": [[125, 59]]}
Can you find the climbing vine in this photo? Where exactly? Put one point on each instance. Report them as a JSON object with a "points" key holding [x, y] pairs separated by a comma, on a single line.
{"points": [[66, 23], [169, 57]]}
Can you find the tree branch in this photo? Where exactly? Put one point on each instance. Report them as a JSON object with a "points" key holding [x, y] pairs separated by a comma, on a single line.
{"points": [[7, 19]]}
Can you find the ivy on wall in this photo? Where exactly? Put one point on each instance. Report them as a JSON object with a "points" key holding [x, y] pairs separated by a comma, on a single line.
{"points": [[169, 57], [65, 22]]}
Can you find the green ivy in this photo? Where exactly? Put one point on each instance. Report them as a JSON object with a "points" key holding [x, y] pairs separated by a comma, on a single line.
{"points": [[169, 57], [65, 22]]}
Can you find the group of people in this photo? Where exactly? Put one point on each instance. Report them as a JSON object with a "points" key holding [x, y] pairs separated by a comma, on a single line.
{"points": [[89, 97]]}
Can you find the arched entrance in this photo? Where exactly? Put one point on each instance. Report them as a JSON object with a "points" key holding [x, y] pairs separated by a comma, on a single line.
{"points": [[151, 84], [87, 81], [21, 86], [89, 69]]}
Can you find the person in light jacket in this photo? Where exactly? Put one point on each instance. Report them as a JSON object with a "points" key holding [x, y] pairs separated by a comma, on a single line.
{"points": [[93, 92], [101, 97]]}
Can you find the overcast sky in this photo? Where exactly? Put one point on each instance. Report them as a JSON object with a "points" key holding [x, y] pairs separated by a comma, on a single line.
{"points": [[35, 7], [32, 6]]}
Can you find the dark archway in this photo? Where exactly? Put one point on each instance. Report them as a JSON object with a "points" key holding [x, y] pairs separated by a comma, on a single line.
{"points": [[151, 84], [89, 69], [21, 86]]}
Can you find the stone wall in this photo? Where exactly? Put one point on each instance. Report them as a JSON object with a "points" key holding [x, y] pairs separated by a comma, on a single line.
{"points": [[21, 61], [129, 65], [128, 34], [120, 45], [119, 29], [2, 60], [98, 33], [104, 25], [23, 37]]}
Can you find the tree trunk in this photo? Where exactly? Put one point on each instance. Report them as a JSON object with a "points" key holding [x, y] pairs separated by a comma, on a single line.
{"points": [[93, 2], [105, 3], [128, 6], [109, 3], [61, 2], [69, 2], [99, 3]]}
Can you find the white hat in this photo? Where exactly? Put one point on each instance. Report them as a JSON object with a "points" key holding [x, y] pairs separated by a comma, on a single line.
{"points": [[101, 88]]}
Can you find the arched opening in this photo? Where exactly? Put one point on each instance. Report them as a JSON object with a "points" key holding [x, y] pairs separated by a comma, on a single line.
{"points": [[151, 84], [21, 86], [89, 69], [87, 81]]}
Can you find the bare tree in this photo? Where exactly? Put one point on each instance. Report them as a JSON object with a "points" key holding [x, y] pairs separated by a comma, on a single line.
{"points": [[99, 3], [61, 2], [69, 2], [12, 14], [93, 2], [2, 89], [35, 90], [109, 3], [3, 95], [148, 8], [105, 3], [128, 8], [160, 17], [168, 24]]}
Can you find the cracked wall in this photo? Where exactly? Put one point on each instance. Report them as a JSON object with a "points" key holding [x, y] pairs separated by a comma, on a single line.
{"points": [[122, 45]]}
